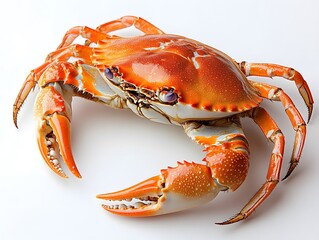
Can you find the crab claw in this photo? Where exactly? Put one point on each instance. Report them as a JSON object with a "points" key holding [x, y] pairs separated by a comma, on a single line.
{"points": [[53, 128], [186, 186]]}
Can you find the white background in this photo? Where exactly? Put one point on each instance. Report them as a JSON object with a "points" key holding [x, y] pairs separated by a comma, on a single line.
{"points": [[115, 149]]}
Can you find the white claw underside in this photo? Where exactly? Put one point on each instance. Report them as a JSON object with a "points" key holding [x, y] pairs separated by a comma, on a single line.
{"points": [[53, 153], [135, 203]]}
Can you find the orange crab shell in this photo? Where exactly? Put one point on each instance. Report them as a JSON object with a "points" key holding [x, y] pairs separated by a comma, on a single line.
{"points": [[188, 66]]}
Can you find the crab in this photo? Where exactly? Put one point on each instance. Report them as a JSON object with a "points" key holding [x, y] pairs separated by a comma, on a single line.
{"points": [[168, 79]]}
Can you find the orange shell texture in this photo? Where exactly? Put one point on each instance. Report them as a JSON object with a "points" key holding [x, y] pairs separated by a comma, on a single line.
{"points": [[204, 77]]}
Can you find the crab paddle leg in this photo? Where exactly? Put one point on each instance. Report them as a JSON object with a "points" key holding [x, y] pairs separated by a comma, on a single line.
{"points": [[274, 70], [273, 133], [299, 125]]}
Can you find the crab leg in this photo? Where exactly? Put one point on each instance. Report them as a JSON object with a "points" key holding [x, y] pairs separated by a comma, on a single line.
{"points": [[273, 133], [102, 31], [26, 88], [128, 21], [273, 70], [60, 55], [90, 34], [299, 125], [189, 184], [65, 53]]}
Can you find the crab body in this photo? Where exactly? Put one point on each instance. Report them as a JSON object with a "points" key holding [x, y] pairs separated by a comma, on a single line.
{"points": [[147, 66], [169, 79]]}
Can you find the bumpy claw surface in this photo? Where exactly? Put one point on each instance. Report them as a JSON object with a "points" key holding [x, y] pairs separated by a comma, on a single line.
{"points": [[186, 186]]}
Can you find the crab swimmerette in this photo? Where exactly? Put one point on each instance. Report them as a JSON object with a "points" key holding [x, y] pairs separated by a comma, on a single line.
{"points": [[173, 80]]}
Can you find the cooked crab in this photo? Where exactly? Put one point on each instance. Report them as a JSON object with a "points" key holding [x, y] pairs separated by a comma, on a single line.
{"points": [[173, 80]]}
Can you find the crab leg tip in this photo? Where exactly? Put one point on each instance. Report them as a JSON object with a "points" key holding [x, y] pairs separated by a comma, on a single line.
{"points": [[15, 123], [15, 119], [234, 219], [310, 108], [285, 177], [290, 170]]}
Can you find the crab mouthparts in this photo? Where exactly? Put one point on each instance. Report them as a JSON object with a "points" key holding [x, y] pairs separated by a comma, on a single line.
{"points": [[140, 200]]}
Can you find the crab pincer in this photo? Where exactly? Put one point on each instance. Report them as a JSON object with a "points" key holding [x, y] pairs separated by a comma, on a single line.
{"points": [[186, 186], [53, 129]]}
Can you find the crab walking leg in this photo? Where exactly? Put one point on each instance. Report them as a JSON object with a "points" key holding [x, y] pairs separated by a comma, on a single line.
{"points": [[128, 21], [90, 34], [28, 85], [101, 32], [274, 70], [58, 84], [32, 79], [189, 184], [273, 133], [64, 54], [299, 125]]}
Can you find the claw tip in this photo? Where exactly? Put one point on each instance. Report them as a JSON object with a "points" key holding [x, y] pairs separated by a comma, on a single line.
{"points": [[77, 174]]}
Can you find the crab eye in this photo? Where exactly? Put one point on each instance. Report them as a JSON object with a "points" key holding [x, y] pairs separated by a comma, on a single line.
{"points": [[108, 73], [113, 75], [168, 96]]}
